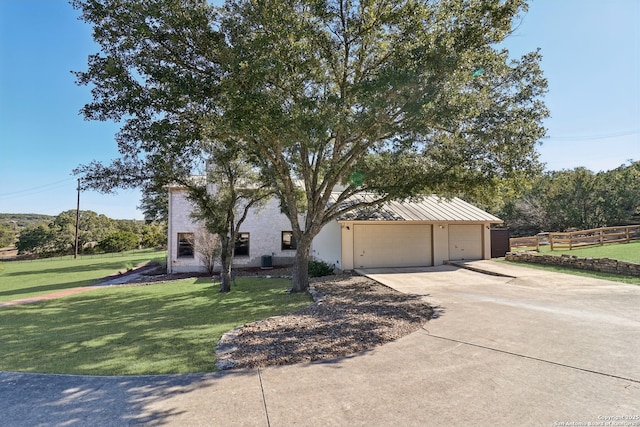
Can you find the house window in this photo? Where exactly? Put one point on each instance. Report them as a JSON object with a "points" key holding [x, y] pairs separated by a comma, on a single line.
{"points": [[185, 245], [242, 245], [288, 241]]}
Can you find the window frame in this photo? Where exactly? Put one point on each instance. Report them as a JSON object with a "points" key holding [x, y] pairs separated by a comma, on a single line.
{"points": [[238, 245], [185, 245], [292, 245]]}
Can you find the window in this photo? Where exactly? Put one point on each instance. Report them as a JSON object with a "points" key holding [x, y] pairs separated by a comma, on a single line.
{"points": [[185, 245], [288, 241], [242, 245]]}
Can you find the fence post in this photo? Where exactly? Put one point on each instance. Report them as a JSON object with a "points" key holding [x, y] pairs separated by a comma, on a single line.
{"points": [[551, 241], [571, 240], [626, 230], [537, 243], [601, 237]]}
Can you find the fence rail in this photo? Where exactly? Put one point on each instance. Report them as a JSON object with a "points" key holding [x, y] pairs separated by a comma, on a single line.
{"points": [[580, 239], [525, 242]]}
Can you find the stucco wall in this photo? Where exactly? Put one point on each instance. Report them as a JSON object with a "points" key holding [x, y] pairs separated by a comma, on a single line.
{"points": [[326, 245]]}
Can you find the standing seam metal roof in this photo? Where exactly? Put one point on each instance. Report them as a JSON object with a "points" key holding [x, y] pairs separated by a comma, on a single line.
{"points": [[428, 208]]}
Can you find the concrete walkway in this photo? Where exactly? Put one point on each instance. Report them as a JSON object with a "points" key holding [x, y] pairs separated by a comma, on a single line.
{"points": [[530, 350]]}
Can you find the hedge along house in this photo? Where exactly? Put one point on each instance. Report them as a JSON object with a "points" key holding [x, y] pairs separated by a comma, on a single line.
{"points": [[426, 232]]}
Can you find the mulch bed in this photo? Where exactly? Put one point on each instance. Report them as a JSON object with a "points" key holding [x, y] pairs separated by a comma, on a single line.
{"points": [[353, 314]]}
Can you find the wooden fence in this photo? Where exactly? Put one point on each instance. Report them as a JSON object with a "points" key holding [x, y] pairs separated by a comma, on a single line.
{"points": [[580, 238], [525, 242]]}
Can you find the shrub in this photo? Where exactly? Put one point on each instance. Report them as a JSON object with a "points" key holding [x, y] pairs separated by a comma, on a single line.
{"points": [[120, 242], [319, 268]]}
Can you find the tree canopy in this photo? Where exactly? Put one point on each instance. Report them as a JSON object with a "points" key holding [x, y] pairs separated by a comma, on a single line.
{"points": [[393, 98], [577, 198]]}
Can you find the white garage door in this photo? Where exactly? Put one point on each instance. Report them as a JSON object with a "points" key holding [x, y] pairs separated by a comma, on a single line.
{"points": [[465, 242], [380, 245]]}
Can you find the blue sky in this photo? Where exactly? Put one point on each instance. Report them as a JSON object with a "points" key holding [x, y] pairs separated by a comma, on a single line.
{"points": [[591, 57]]}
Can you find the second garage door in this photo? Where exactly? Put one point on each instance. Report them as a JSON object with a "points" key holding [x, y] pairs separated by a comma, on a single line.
{"points": [[465, 242], [381, 245]]}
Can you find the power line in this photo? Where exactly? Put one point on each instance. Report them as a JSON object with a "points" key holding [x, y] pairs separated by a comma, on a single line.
{"points": [[36, 190], [594, 137]]}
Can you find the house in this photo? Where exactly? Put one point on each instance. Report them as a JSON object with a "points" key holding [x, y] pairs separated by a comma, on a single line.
{"points": [[424, 232]]}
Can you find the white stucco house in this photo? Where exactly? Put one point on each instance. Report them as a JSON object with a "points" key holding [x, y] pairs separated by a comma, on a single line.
{"points": [[398, 234]]}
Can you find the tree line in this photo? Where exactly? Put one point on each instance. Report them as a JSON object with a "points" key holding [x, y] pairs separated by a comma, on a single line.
{"points": [[97, 233], [577, 198]]}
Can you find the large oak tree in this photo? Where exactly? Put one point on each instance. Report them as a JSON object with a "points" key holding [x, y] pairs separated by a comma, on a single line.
{"points": [[396, 98]]}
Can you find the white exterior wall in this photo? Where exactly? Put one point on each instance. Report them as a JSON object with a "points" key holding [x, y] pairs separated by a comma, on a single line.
{"points": [[327, 246], [264, 225], [486, 241], [440, 243], [180, 221]]}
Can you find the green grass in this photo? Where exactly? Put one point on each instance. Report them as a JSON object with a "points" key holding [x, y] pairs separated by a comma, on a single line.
{"points": [[623, 252], [156, 329], [24, 279]]}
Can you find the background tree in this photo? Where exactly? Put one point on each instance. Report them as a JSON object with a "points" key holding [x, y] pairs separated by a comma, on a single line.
{"points": [[620, 190], [154, 235], [120, 241], [395, 99], [92, 228], [7, 235], [577, 198], [154, 203], [36, 239]]}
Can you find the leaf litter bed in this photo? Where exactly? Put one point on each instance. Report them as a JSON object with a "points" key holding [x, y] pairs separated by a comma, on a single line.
{"points": [[350, 314]]}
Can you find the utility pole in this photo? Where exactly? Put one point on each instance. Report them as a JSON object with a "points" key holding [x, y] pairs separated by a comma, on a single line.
{"points": [[75, 251]]}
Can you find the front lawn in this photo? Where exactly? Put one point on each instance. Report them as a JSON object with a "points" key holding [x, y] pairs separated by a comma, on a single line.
{"points": [[25, 279], [156, 329]]}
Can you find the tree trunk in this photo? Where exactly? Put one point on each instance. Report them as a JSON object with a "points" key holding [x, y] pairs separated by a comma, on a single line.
{"points": [[226, 257], [301, 267]]}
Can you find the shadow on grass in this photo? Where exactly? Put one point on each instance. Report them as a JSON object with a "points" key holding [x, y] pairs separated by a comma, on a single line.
{"points": [[164, 328], [115, 265], [42, 290]]}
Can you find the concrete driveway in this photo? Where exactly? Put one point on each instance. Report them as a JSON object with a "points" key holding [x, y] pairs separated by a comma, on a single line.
{"points": [[533, 349]]}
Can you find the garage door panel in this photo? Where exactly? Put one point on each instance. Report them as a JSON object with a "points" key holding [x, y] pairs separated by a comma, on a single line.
{"points": [[465, 242], [379, 245]]}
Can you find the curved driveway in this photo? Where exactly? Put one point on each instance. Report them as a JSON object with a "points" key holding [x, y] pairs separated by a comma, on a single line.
{"points": [[536, 348]]}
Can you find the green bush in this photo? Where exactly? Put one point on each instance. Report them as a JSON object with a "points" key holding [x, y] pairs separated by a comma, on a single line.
{"points": [[319, 268], [120, 242]]}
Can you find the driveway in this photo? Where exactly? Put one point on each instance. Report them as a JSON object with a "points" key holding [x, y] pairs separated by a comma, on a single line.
{"points": [[536, 348]]}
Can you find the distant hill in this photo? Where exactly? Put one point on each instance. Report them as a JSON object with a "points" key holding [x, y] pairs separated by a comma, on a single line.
{"points": [[24, 220]]}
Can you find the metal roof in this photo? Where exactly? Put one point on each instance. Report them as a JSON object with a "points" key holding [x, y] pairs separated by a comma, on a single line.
{"points": [[428, 208]]}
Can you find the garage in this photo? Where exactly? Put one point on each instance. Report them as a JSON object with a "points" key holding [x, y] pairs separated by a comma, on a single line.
{"points": [[386, 245], [465, 242], [410, 233]]}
